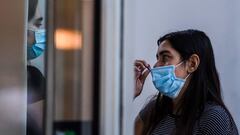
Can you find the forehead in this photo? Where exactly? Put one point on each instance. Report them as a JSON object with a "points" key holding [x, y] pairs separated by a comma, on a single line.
{"points": [[166, 46]]}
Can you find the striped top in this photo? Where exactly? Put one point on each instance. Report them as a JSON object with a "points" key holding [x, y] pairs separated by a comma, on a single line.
{"points": [[213, 121]]}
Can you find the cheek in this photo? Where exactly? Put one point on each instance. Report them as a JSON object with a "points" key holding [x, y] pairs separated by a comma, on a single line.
{"points": [[159, 64], [30, 38], [180, 74]]}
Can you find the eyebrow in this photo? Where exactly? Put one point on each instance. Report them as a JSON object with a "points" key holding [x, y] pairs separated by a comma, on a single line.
{"points": [[39, 19], [162, 52]]}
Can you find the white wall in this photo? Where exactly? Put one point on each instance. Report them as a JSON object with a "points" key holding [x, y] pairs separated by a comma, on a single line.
{"points": [[218, 18]]}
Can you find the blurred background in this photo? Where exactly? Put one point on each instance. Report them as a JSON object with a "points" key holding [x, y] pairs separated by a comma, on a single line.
{"points": [[87, 65]]}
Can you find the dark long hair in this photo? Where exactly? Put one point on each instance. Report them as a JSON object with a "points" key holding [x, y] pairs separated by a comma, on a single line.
{"points": [[203, 87], [32, 6], [35, 84]]}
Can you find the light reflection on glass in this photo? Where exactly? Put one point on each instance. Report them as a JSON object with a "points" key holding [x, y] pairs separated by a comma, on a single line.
{"points": [[66, 39]]}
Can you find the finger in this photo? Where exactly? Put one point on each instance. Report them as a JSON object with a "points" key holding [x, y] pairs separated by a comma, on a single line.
{"points": [[136, 69], [142, 65], [144, 76], [139, 64], [143, 62], [146, 65], [137, 72]]}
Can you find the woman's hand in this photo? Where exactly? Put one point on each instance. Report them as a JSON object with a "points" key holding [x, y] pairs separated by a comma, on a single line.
{"points": [[142, 69]]}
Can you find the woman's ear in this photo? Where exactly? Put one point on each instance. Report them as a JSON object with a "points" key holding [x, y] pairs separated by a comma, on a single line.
{"points": [[193, 63]]}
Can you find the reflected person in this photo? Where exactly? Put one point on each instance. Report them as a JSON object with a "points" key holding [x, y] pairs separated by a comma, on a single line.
{"points": [[35, 80]]}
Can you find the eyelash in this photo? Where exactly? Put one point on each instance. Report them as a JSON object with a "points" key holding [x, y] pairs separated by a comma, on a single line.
{"points": [[165, 58], [38, 25]]}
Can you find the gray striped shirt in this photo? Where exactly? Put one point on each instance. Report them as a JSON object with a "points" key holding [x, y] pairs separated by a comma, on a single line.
{"points": [[213, 121]]}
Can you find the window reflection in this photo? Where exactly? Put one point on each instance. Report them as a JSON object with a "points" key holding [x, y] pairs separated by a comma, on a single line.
{"points": [[36, 44]]}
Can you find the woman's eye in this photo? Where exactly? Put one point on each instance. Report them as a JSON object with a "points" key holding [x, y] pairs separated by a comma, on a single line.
{"points": [[165, 58], [38, 25]]}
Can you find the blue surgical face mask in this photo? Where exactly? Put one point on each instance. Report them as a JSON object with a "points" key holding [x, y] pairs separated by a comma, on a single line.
{"points": [[166, 82], [38, 47]]}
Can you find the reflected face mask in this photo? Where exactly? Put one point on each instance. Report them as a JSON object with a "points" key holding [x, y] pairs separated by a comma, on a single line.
{"points": [[38, 47], [166, 82]]}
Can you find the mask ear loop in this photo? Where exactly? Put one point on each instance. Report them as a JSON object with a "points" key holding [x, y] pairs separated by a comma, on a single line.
{"points": [[187, 76], [148, 68], [179, 65]]}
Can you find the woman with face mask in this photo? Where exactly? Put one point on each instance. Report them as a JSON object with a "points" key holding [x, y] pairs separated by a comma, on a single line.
{"points": [[36, 35], [35, 79], [189, 96]]}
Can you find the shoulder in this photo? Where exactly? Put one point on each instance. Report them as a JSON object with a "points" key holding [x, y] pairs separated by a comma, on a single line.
{"points": [[214, 113], [144, 113], [212, 110], [216, 120]]}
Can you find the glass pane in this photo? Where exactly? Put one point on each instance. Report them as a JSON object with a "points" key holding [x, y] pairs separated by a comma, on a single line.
{"points": [[73, 67], [36, 79]]}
